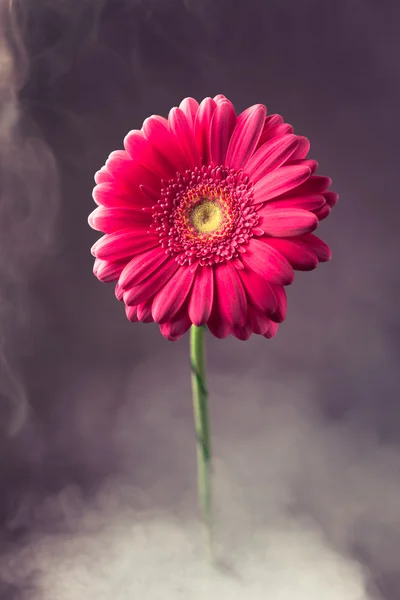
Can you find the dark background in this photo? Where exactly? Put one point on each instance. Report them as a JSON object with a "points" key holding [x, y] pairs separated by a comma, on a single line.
{"points": [[85, 395]]}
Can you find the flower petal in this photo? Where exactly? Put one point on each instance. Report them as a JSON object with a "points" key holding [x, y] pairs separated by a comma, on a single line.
{"points": [[202, 296], [286, 222], [202, 128], [131, 174], [110, 220], [302, 149], [271, 156], [305, 162], [103, 176], [143, 152], [230, 304], [274, 131], [279, 182], [316, 184], [123, 244], [258, 321], [272, 330], [242, 333], [142, 266], [258, 291], [171, 297], [318, 246], [300, 257], [157, 132], [306, 202], [222, 125], [267, 262], [119, 292], [107, 271], [111, 194], [331, 198], [281, 298], [150, 286], [185, 136], [144, 311], [245, 136], [173, 330], [190, 107], [131, 313], [323, 212]]}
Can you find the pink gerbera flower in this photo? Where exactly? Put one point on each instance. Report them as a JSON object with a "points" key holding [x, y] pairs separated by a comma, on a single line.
{"points": [[206, 216]]}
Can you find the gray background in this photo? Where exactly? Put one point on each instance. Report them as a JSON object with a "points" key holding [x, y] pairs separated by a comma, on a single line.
{"points": [[306, 426]]}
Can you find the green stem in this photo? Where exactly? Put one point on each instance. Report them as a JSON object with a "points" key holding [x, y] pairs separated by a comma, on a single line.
{"points": [[201, 420]]}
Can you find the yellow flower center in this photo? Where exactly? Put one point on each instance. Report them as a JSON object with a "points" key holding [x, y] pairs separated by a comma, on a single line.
{"points": [[207, 216]]}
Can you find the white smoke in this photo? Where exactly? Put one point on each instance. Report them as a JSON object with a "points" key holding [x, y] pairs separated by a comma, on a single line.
{"points": [[28, 205], [290, 492]]}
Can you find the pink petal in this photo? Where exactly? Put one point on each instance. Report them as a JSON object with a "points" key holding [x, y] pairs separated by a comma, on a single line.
{"points": [[300, 257], [242, 333], [131, 313], [189, 106], [331, 198], [110, 220], [107, 271], [271, 156], [281, 308], [270, 122], [267, 262], [303, 148], [171, 297], [323, 212], [271, 132], [315, 244], [202, 128], [143, 152], [150, 286], [123, 244], [272, 331], [219, 98], [258, 321], [144, 311], [307, 202], [131, 174], [185, 136], [316, 184], [156, 131], [142, 266], [173, 330], [119, 292], [103, 176], [112, 194], [305, 162], [286, 222], [230, 303], [258, 291], [202, 296], [279, 182], [222, 125], [245, 136]]}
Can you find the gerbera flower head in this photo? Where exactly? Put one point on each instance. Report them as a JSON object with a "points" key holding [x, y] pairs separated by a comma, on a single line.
{"points": [[206, 216]]}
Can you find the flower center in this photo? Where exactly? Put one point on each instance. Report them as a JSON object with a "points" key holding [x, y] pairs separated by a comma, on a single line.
{"points": [[206, 216]]}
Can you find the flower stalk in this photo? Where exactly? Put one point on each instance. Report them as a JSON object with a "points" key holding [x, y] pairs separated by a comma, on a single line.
{"points": [[202, 425]]}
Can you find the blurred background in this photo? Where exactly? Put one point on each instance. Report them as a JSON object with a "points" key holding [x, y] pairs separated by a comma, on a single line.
{"points": [[97, 458]]}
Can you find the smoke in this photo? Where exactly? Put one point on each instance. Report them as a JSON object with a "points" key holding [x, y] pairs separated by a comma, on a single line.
{"points": [[28, 207], [138, 535]]}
